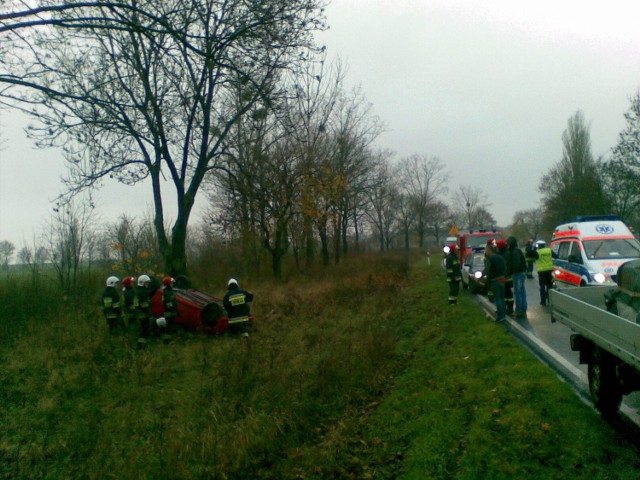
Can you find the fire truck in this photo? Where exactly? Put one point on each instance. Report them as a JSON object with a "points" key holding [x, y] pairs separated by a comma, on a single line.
{"points": [[475, 241]]}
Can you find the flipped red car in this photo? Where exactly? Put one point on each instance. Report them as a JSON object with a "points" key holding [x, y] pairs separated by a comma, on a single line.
{"points": [[197, 311]]}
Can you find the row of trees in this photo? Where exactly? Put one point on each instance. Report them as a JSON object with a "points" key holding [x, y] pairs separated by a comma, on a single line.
{"points": [[230, 96], [580, 184]]}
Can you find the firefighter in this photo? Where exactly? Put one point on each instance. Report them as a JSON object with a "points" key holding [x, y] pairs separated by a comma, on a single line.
{"points": [[236, 302], [170, 307], [454, 273], [544, 266], [503, 249], [130, 300], [111, 304], [143, 310]]}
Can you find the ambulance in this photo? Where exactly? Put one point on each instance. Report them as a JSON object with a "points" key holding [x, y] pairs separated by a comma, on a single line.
{"points": [[589, 250]]}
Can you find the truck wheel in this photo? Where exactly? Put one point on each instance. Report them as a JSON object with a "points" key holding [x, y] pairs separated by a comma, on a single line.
{"points": [[604, 387]]}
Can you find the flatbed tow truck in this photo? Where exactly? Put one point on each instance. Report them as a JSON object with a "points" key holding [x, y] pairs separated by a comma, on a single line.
{"points": [[607, 336]]}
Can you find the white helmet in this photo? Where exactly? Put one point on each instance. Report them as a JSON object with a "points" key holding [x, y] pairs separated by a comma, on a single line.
{"points": [[143, 279], [232, 281], [112, 281], [161, 322]]}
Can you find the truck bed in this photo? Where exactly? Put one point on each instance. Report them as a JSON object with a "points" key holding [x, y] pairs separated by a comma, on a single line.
{"points": [[583, 310]]}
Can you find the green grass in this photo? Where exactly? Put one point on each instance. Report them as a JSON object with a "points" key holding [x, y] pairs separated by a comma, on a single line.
{"points": [[366, 373]]}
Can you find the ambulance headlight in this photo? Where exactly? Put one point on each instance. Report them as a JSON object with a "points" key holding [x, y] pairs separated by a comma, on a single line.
{"points": [[478, 275], [600, 278]]}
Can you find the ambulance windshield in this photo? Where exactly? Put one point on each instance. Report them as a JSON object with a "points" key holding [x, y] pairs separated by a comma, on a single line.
{"points": [[615, 248]]}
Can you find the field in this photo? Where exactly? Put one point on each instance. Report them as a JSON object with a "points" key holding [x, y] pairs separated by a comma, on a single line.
{"points": [[360, 372]]}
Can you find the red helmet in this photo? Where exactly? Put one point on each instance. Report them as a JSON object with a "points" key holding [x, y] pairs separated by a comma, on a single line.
{"points": [[168, 281], [491, 241], [502, 244], [127, 282], [453, 247]]}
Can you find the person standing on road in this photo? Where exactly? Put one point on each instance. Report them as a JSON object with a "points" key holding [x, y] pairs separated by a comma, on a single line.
{"points": [[544, 266], [528, 254], [503, 249], [518, 275], [454, 273], [495, 271]]}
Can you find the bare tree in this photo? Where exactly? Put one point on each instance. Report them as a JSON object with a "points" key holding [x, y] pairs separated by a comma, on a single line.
{"points": [[471, 206], [424, 179], [6, 253], [33, 256], [65, 241], [145, 102], [383, 196], [527, 224]]}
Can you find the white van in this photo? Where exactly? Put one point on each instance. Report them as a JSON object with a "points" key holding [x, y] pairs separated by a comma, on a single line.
{"points": [[589, 250]]}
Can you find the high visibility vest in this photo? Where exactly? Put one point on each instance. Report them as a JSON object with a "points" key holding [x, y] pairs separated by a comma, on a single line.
{"points": [[544, 262]]}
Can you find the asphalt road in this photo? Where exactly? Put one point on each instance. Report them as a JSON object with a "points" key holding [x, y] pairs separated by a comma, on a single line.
{"points": [[550, 343]]}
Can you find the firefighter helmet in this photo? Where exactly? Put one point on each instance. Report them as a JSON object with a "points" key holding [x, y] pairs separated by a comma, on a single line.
{"points": [[168, 281], [127, 281], [453, 247], [112, 281], [502, 244], [232, 281], [144, 280]]}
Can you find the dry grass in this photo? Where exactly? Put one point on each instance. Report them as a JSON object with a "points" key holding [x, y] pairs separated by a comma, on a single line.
{"points": [[78, 403]]}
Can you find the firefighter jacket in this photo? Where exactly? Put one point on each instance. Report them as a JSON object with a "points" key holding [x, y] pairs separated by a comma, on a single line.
{"points": [[454, 273], [130, 302], [111, 303], [144, 302], [544, 259], [236, 302], [169, 302]]}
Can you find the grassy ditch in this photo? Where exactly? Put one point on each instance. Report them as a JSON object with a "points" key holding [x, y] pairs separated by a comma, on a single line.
{"points": [[363, 373]]}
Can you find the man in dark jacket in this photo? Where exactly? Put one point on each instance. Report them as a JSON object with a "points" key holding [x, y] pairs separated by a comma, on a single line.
{"points": [[503, 249], [454, 273], [496, 271], [236, 302], [518, 265]]}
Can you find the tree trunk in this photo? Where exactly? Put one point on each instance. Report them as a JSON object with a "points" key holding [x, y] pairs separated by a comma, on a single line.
{"points": [[324, 240]]}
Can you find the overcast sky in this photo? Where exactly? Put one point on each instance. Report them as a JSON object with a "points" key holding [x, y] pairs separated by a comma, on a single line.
{"points": [[487, 87]]}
